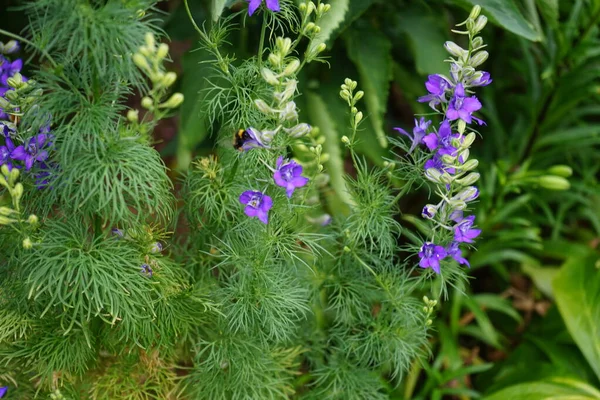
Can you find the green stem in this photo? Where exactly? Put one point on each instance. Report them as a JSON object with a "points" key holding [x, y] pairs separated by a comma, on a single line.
{"points": [[22, 39], [262, 40]]}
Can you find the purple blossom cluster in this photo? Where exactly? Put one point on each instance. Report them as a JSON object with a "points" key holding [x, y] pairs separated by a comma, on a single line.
{"points": [[8, 69], [448, 165], [288, 175], [253, 5]]}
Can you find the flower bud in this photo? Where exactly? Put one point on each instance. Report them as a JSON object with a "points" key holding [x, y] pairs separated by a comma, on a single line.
{"points": [[358, 117], [32, 219], [145, 51], [309, 27], [11, 94], [469, 165], [479, 24], [274, 59], [475, 11], [289, 113], [561, 170], [5, 170], [314, 51], [141, 61], [467, 194], [448, 159], [169, 79], [345, 139], [325, 157], [479, 58], [147, 102], [133, 115], [284, 45], [174, 101], [15, 81], [447, 178], [5, 211], [469, 179], [350, 83], [163, 51], [263, 106], [433, 175], [299, 130], [292, 67], [12, 46], [462, 125], [429, 211], [477, 42], [468, 140], [13, 175], [269, 76], [322, 220], [18, 191], [149, 39], [27, 243], [326, 8], [345, 94], [359, 95], [554, 182], [310, 8], [463, 155], [454, 49]]}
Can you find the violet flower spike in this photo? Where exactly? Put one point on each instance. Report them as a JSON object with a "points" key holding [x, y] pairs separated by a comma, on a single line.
{"points": [[442, 139], [464, 231], [272, 5], [9, 69], [461, 107], [431, 255], [419, 132], [454, 251], [289, 176], [258, 205], [436, 85], [484, 80], [32, 151]]}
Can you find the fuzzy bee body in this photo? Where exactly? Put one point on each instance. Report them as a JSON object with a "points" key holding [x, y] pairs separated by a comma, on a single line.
{"points": [[241, 137]]}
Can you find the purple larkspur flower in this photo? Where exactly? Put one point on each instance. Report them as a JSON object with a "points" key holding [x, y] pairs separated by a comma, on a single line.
{"points": [[442, 140], [454, 251], [437, 163], [3, 391], [272, 5], [464, 231], [9, 69], [461, 106], [253, 138], [146, 269], [436, 85], [258, 205], [289, 176], [431, 255], [483, 80], [419, 132], [32, 151]]}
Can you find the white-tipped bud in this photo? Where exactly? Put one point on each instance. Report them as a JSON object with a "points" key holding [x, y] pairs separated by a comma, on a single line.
{"points": [[32, 219], [345, 94], [447, 178], [27, 243], [479, 24], [455, 49], [467, 194], [469, 179], [345, 139], [359, 95], [429, 211], [475, 11], [274, 59], [350, 83], [463, 155], [15, 81], [469, 139], [18, 191], [133, 115], [299, 130], [147, 103], [288, 92], [174, 101], [310, 7], [561, 170], [470, 165], [263, 106], [314, 51], [554, 182], [141, 61], [169, 79], [479, 58], [322, 220], [292, 67], [462, 125], [149, 39], [145, 51], [433, 175], [269, 76], [11, 46], [326, 8], [448, 159], [309, 28], [358, 117], [163, 51], [284, 45], [477, 42], [289, 113]]}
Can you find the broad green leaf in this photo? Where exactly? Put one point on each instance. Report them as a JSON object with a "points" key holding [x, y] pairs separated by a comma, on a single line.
{"points": [[542, 277], [554, 388], [507, 14], [549, 10], [577, 293], [217, 8], [487, 330], [426, 38], [318, 112], [194, 123], [332, 20], [370, 51]]}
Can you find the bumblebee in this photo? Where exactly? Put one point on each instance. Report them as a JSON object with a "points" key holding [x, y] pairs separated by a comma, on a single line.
{"points": [[241, 137]]}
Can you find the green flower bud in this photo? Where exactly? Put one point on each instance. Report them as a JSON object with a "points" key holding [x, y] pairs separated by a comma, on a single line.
{"points": [[269, 76], [310, 8], [354, 110], [15, 81], [32, 219], [147, 103], [345, 139], [326, 8], [10, 47], [284, 45], [325, 157], [469, 179], [263, 106], [6, 212], [163, 51], [11, 94], [350, 83], [133, 115], [475, 11], [292, 67], [27, 243], [554, 182], [464, 155], [447, 178], [479, 24], [302, 7], [347, 249], [462, 125], [433, 175], [345, 95], [561, 170], [358, 117], [479, 58], [4, 103], [6, 171], [359, 95], [477, 42], [274, 59], [448, 159], [145, 51], [469, 165], [141, 61], [299, 130], [454, 49], [169, 79], [468, 140], [149, 39], [309, 28], [18, 192], [174, 101]]}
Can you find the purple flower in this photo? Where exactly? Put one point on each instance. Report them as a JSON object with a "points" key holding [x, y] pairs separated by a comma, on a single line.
{"points": [[289, 176], [436, 85], [146, 269], [3, 391], [419, 132], [462, 107], [8, 69], [252, 138], [443, 140], [157, 247], [464, 232], [272, 5], [431, 255], [257, 205], [437, 163], [4, 155], [32, 150], [483, 80], [454, 251], [117, 232]]}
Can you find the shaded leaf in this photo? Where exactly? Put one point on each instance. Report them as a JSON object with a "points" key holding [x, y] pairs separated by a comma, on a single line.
{"points": [[507, 15], [554, 388], [332, 21]]}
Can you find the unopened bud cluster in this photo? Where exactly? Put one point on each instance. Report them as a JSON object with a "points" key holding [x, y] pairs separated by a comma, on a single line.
{"points": [[311, 15], [348, 95], [150, 59]]}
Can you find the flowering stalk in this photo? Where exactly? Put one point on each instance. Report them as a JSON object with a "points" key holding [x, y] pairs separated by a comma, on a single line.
{"points": [[448, 165]]}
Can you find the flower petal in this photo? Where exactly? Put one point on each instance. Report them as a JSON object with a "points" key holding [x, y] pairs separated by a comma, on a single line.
{"points": [[273, 5], [253, 6]]}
